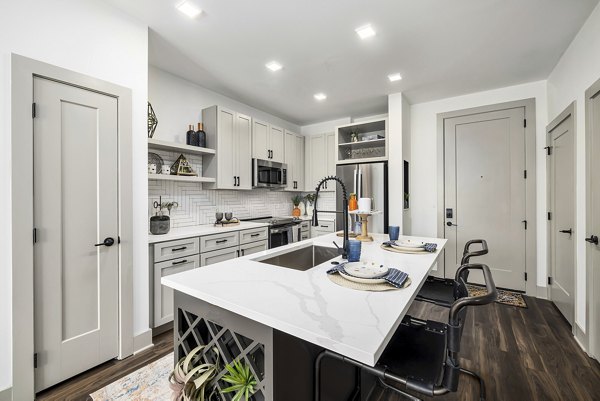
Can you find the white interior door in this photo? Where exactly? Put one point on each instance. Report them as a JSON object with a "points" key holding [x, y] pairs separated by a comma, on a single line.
{"points": [[561, 204], [593, 211], [485, 192], [75, 207]]}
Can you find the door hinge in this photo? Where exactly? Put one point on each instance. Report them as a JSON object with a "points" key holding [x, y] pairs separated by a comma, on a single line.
{"points": [[525, 123], [35, 235], [549, 280], [35, 360], [525, 276], [33, 107], [549, 216], [524, 222], [548, 150], [525, 174]]}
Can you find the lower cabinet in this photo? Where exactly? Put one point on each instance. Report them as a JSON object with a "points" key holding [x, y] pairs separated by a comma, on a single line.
{"points": [[254, 247], [207, 249], [163, 296], [220, 255], [326, 226]]}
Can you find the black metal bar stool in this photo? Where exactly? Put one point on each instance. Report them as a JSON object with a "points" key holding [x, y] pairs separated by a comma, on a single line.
{"points": [[442, 291], [423, 355]]}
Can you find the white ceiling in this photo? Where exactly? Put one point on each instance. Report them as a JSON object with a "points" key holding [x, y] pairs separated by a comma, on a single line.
{"points": [[442, 48]]}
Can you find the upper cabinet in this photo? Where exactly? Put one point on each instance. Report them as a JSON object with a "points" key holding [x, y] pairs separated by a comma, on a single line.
{"points": [[362, 142], [320, 161], [232, 134], [267, 141], [294, 158]]}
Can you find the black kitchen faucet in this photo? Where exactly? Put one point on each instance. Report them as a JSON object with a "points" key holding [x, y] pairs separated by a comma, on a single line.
{"points": [[344, 211]]}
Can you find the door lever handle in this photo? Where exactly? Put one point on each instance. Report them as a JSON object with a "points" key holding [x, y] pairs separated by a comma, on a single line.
{"points": [[450, 224], [569, 231], [107, 242], [592, 240]]}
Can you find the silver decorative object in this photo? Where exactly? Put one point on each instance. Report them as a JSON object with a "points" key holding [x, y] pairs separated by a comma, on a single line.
{"points": [[152, 121]]}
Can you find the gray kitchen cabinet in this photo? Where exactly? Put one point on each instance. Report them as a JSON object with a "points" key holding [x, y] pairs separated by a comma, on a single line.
{"points": [[220, 255], [294, 158], [230, 133], [253, 247], [254, 235], [219, 241], [175, 249], [163, 296], [267, 141], [321, 160]]}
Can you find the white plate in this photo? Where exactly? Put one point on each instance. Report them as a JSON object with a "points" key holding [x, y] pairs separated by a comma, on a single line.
{"points": [[411, 244], [408, 249], [365, 269], [362, 280]]}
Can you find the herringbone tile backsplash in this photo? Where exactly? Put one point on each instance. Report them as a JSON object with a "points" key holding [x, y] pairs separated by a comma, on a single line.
{"points": [[198, 206]]}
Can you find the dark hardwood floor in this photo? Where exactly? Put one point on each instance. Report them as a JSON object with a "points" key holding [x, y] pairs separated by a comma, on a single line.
{"points": [[522, 354]]}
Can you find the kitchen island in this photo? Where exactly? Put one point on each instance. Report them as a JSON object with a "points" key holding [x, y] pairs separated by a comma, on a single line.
{"points": [[278, 318]]}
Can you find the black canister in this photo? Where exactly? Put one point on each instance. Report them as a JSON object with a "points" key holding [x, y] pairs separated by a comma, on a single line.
{"points": [[201, 136], [160, 224], [191, 138]]}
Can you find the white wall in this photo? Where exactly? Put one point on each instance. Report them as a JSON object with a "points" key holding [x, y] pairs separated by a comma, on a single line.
{"points": [[395, 159], [424, 157], [324, 127], [577, 70], [406, 155], [93, 38], [178, 103]]}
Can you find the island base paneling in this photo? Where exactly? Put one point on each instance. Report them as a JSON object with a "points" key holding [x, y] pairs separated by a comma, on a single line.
{"points": [[283, 364]]}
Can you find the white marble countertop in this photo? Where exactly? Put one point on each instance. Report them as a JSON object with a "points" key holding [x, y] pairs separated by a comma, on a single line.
{"points": [[196, 231], [306, 304]]}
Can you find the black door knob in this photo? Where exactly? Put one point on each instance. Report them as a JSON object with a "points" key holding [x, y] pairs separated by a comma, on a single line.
{"points": [[592, 240], [450, 224], [569, 231], [107, 242]]}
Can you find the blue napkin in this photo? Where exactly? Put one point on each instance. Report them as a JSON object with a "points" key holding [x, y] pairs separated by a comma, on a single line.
{"points": [[429, 247], [394, 277]]}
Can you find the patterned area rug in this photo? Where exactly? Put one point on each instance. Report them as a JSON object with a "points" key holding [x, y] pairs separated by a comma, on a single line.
{"points": [[505, 297], [150, 383]]}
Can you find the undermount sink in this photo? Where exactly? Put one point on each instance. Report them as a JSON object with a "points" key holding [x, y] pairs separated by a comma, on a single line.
{"points": [[304, 258]]}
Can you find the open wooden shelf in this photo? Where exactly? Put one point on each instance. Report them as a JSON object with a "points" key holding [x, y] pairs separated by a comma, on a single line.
{"points": [[180, 178], [178, 147]]}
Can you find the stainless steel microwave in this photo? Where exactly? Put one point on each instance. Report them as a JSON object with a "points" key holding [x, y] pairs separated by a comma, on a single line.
{"points": [[268, 174]]}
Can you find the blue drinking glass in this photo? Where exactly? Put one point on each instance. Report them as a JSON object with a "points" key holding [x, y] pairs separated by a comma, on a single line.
{"points": [[354, 247], [394, 232]]}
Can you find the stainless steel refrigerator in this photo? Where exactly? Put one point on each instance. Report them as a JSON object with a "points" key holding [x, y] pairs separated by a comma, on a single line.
{"points": [[366, 180]]}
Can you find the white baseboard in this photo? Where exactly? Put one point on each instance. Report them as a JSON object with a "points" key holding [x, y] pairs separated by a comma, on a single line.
{"points": [[142, 341], [542, 292], [581, 338], [6, 394]]}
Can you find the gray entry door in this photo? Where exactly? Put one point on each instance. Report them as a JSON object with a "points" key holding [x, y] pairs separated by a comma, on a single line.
{"points": [[593, 214], [561, 204], [75, 207], [484, 192]]}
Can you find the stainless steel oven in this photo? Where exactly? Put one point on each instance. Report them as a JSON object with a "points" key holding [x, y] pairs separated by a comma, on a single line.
{"points": [[268, 174]]}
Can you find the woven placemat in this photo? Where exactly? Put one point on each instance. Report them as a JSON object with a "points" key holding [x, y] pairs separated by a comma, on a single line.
{"points": [[341, 281], [391, 249]]}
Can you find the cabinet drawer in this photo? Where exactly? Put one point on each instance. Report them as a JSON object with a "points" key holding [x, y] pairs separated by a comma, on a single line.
{"points": [[175, 249], [254, 247], [209, 258], [219, 241], [305, 235], [163, 296], [325, 226], [305, 226], [253, 235]]}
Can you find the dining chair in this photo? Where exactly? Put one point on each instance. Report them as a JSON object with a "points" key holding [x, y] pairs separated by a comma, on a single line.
{"points": [[423, 355], [442, 291]]}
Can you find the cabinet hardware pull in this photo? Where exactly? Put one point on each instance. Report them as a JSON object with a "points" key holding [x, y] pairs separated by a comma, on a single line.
{"points": [[254, 235], [179, 249], [221, 241], [238, 253], [180, 262], [569, 231], [242, 252]]}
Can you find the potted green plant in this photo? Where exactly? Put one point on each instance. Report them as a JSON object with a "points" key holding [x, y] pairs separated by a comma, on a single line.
{"points": [[296, 199], [241, 379], [311, 198], [192, 380]]}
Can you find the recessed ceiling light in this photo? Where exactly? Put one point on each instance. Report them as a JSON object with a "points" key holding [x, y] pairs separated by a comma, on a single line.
{"points": [[274, 66], [320, 96], [394, 77], [365, 31], [189, 9]]}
